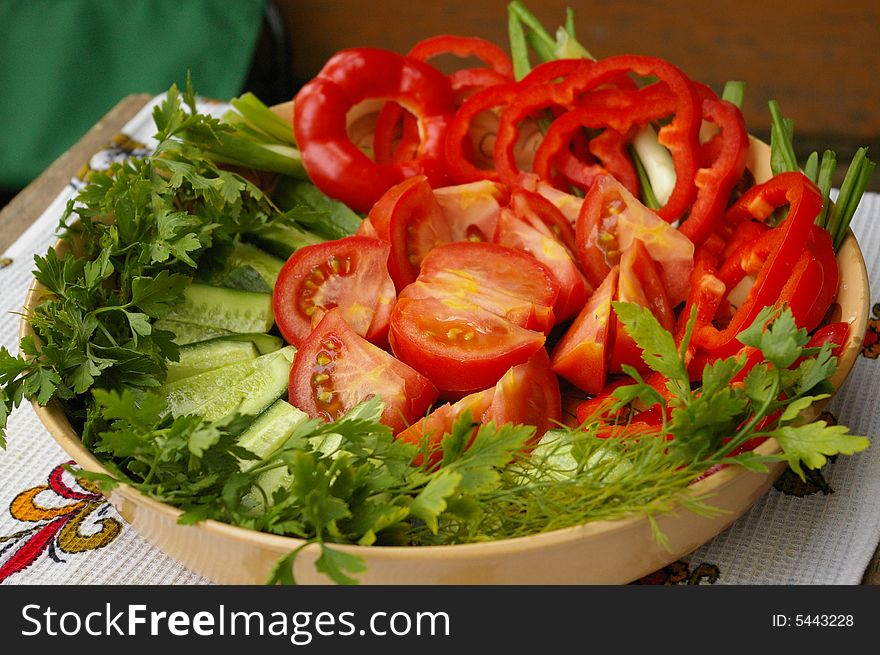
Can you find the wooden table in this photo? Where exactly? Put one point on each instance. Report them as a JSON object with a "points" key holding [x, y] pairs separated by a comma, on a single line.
{"points": [[33, 200]]}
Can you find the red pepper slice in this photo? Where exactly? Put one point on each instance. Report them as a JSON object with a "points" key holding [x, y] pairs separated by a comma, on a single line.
{"points": [[716, 181], [789, 241], [500, 71], [833, 333], [822, 246], [611, 146], [463, 47], [680, 135], [338, 167], [459, 148]]}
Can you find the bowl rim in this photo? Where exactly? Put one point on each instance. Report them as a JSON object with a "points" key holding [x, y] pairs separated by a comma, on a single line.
{"points": [[56, 423]]}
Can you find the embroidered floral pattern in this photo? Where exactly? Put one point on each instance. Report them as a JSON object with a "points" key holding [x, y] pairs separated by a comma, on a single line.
{"points": [[68, 518], [679, 572], [871, 345], [120, 148]]}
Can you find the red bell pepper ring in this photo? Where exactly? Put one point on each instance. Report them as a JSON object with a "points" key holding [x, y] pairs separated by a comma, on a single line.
{"points": [[500, 71], [392, 115], [459, 147], [680, 135], [598, 110], [801, 290], [822, 247], [742, 233], [749, 257], [335, 164], [790, 240], [463, 47], [554, 70], [715, 181]]}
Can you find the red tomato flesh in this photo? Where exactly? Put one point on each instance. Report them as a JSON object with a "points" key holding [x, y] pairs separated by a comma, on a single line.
{"points": [[639, 283], [506, 282], [457, 345], [350, 274], [580, 356], [611, 218], [527, 394], [335, 369], [534, 225]]}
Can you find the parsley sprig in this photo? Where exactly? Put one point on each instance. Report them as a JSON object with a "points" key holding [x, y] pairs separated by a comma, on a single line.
{"points": [[135, 236]]}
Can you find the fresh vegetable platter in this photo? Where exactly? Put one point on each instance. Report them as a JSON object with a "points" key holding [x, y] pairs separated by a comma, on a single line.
{"points": [[560, 323]]}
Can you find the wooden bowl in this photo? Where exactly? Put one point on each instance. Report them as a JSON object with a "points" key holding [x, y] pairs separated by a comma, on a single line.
{"points": [[601, 552]]}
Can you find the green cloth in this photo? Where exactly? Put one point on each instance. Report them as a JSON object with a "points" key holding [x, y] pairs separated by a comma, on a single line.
{"points": [[65, 63]]}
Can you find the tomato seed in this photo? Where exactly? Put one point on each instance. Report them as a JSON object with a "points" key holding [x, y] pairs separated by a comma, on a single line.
{"points": [[614, 207]]}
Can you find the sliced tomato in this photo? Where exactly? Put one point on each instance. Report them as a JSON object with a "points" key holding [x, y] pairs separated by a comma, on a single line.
{"points": [[459, 346], [611, 218], [639, 283], [528, 394], [508, 283], [406, 216], [408, 193], [534, 225], [414, 218], [567, 203], [366, 229], [466, 212], [350, 274], [428, 432], [581, 355], [335, 369], [471, 210]]}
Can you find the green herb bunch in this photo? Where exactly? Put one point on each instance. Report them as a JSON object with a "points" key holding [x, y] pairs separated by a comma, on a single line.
{"points": [[143, 227]]}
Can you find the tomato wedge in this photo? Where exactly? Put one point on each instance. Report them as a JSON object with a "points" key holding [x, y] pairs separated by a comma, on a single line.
{"points": [[611, 218], [639, 283], [459, 346], [414, 218], [580, 356], [335, 369], [508, 283], [471, 210], [428, 432], [534, 225], [350, 274], [526, 394]]}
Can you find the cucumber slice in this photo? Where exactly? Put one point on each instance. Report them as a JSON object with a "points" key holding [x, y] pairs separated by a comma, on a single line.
{"points": [[264, 343], [204, 356], [271, 429], [269, 432], [186, 333], [227, 309], [247, 387], [268, 266], [284, 240], [255, 393]]}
